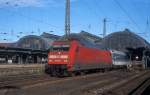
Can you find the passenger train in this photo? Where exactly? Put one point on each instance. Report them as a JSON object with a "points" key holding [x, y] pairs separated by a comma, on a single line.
{"points": [[67, 57], [120, 58]]}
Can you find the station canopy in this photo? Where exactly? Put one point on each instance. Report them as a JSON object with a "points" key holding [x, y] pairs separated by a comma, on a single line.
{"points": [[124, 39], [37, 42]]}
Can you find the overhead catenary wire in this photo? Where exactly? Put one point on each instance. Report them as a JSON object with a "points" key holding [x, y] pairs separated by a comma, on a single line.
{"points": [[94, 12], [104, 18], [18, 35], [136, 7], [147, 29], [28, 18], [145, 33], [100, 8], [127, 14], [90, 8], [31, 18]]}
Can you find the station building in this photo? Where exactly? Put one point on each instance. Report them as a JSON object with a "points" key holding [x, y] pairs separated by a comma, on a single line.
{"points": [[34, 49], [137, 47], [28, 49]]}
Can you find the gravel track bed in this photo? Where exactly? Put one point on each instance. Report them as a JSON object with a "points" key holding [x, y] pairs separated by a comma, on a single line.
{"points": [[78, 85]]}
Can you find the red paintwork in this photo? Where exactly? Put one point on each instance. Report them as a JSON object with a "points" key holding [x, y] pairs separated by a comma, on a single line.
{"points": [[57, 59], [93, 56], [80, 54]]}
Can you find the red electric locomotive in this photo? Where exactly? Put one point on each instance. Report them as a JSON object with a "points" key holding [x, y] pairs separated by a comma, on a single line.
{"points": [[72, 56]]}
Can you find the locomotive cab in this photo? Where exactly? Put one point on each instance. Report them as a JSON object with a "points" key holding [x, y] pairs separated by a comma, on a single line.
{"points": [[59, 56]]}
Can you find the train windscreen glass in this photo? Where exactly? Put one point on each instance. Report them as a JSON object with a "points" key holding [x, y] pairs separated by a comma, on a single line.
{"points": [[60, 48]]}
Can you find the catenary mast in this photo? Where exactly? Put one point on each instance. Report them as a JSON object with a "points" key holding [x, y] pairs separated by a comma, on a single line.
{"points": [[67, 19], [104, 27]]}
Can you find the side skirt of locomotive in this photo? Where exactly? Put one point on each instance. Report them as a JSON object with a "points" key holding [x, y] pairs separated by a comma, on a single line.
{"points": [[97, 67], [79, 69]]}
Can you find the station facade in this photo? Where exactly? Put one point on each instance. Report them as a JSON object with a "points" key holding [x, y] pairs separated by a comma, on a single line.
{"points": [[33, 49]]}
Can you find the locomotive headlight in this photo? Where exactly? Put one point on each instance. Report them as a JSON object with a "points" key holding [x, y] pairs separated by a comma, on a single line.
{"points": [[50, 60], [52, 56], [65, 60], [58, 56], [64, 56]]}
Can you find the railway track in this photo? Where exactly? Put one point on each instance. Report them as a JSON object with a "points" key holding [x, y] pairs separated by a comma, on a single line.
{"points": [[134, 85], [18, 84], [27, 81], [20, 70], [67, 79], [99, 87], [76, 85], [140, 90], [93, 84], [23, 80]]}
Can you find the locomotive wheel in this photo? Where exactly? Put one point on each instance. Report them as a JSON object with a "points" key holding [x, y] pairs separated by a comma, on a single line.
{"points": [[82, 73], [46, 71], [72, 74]]}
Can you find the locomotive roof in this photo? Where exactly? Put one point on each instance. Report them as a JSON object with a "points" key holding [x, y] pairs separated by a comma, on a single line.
{"points": [[83, 40]]}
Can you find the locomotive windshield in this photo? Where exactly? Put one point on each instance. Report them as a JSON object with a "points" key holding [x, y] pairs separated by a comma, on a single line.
{"points": [[60, 48]]}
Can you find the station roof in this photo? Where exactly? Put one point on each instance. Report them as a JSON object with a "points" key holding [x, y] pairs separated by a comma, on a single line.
{"points": [[124, 39], [37, 42], [115, 41], [90, 36]]}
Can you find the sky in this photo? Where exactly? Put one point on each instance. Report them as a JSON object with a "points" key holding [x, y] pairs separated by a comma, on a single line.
{"points": [[19, 18]]}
